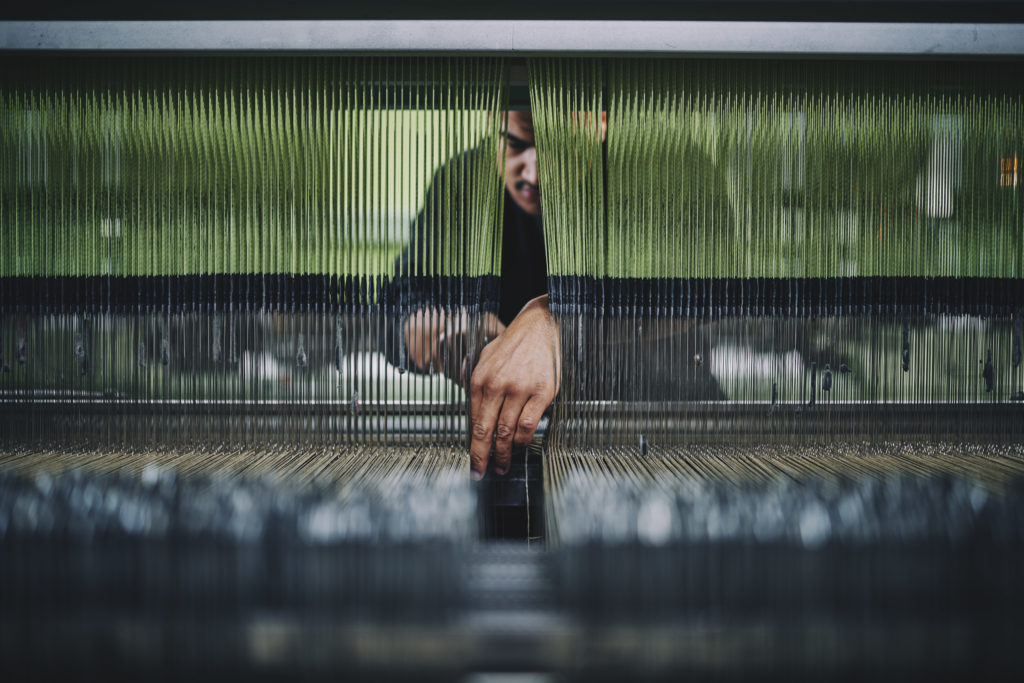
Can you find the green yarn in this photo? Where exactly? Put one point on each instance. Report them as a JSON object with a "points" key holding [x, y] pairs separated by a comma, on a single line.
{"points": [[153, 166], [777, 169]]}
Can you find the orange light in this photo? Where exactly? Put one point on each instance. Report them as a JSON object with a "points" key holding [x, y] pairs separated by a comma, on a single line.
{"points": [[1008, 167]]}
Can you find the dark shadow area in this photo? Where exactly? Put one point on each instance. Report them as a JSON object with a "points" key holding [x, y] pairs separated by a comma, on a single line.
{"points": [[512, 506]]}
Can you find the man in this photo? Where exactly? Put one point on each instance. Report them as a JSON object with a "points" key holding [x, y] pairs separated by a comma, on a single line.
{"points": [[518, 372]]}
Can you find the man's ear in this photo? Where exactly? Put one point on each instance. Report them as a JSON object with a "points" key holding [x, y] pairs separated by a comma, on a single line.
{"points": [[604, 126]]}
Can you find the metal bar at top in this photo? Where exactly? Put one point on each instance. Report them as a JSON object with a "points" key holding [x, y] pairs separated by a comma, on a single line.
{"points": [[740, 38]]}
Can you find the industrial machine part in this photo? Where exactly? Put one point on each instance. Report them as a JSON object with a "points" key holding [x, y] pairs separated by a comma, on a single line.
{"points": [[787, 274]]}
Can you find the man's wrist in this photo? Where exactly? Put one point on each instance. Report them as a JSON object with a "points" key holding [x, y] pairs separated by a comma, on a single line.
{"points": [[535, 303]]}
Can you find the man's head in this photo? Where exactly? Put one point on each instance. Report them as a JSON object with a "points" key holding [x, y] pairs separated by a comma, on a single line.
{"points": [[520, 160]]}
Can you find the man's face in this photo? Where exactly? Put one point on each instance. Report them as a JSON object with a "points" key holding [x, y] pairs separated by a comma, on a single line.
{"points": [[520, 157]]}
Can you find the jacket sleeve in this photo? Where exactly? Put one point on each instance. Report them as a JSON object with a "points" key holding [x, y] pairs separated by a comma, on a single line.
{"points": [[440, 230], [411, 287]]}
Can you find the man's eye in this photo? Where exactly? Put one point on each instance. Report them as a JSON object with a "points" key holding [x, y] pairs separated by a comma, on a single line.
{"points": [[517, 146]]}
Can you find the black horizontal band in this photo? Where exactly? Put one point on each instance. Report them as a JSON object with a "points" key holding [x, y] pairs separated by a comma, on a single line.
{"points": [[241, 292], [701, 297], [692, 297]]}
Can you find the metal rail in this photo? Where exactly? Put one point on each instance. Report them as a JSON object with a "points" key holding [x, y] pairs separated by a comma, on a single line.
{"points": [[614, 420], [721, 420], [522, 37], [75, 399], [80, 402], [106, 402]]}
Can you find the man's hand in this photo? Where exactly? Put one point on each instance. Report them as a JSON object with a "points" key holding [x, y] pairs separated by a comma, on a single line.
{"points": [[439, 341], [515, 381]]}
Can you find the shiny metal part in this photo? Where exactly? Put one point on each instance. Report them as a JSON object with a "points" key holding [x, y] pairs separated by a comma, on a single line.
{"points": [[712, 38], [107, 403], [656, 420], [722, 420]]}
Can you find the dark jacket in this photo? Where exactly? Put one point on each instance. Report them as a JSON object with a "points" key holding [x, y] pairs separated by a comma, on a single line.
{"points": [[447, 216], [620, 365]]}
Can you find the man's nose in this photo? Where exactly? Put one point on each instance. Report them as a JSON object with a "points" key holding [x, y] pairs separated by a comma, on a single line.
{"points": [[530, 165]]}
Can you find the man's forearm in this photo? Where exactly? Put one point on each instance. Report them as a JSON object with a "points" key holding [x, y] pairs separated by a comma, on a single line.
{"points": [[439, 340]]}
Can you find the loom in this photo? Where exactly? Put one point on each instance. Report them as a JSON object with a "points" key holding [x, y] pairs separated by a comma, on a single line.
{"points": [[788, 282]]}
